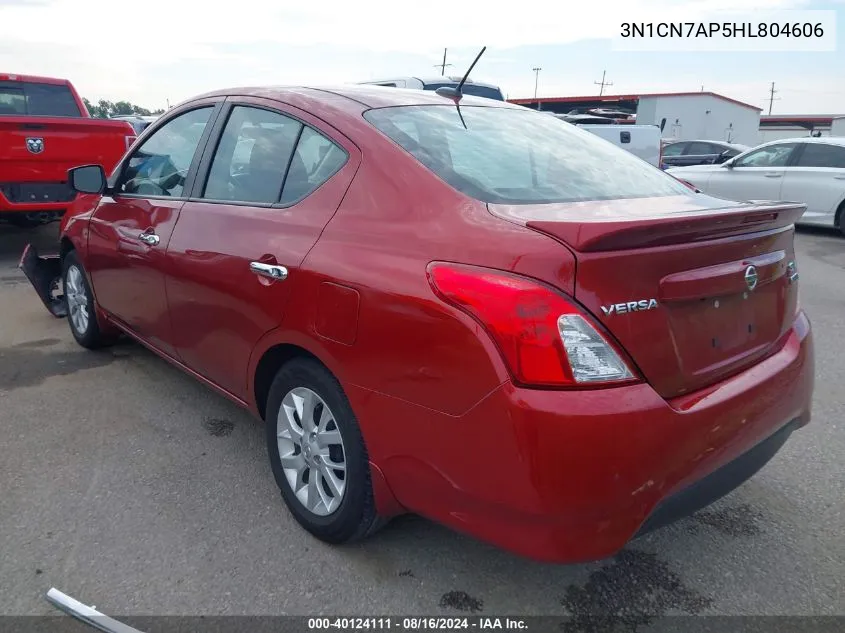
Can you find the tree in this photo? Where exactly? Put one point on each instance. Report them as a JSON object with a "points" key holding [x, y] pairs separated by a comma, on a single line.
{"points": [[105, 109]]}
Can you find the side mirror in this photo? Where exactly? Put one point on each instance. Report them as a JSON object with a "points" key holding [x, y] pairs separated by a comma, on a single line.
{"points": [[87, 179], [724, 156], [727, 164]]}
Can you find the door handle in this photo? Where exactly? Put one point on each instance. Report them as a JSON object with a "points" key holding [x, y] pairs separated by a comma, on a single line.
{"points": [[150, 239], [842, 177], [269, 270], [773, 175]]}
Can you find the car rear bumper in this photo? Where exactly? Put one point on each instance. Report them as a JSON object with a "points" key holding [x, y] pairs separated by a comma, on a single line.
{"points": [[567, 476]]}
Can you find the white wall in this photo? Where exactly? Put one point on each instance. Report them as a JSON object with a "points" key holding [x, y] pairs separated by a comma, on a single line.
{"points": [[837, 127], [701, 117]]}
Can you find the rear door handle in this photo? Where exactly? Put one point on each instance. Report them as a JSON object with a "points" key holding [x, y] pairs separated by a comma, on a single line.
{"points": [[842, 177], [150, 239], [773, 175], [269, 270]]}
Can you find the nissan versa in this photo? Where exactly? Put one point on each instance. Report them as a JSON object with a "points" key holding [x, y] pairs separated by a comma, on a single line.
{"points": [[450, 306]]}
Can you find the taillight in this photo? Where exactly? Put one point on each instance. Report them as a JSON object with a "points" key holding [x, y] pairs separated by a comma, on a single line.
{"points": [[544, 338]]}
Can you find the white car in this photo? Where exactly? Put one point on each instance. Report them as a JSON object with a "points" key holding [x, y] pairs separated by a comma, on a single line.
{"points": [[808, 170]]}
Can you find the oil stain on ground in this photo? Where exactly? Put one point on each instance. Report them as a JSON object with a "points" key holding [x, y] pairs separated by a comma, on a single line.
{"points": [[28, 364], [741, 520], [461, 601], [633, 591], [218, 427]]}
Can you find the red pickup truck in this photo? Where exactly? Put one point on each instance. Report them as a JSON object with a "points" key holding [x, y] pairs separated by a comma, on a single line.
{"points": [[45, 129]]}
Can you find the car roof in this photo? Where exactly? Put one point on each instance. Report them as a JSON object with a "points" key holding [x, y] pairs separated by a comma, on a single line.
{"points": [[351, 97], [829, 140], [704, 140]]}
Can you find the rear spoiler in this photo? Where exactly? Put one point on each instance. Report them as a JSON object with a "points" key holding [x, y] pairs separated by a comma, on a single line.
{"points": [[606, 235]]}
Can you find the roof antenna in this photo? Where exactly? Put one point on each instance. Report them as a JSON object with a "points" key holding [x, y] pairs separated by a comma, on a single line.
{"points": [[456, 93]]}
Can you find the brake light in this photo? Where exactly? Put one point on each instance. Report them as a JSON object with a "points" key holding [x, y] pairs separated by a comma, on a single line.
{"points": [[544, 338]]}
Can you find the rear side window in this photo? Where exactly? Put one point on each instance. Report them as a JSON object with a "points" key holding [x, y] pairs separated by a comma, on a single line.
{"points": [[822, 155], [315, 161], [253, 154], [24, 98], [674, 149], [518, 156], [699, 149]]}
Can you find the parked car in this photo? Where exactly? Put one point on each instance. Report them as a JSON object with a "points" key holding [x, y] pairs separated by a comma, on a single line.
{"points": [[807, 170], [138, 122], [45, 129], [686, 153], [482, 315], [475, 88], [642, 141]]}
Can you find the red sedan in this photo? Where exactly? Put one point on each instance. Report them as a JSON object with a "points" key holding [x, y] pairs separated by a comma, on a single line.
{"points": [[449, 306]]}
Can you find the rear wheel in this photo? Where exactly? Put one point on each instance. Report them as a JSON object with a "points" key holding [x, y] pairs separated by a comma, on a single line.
{"points": [[318, 455], [840, 218], [81, 310]]}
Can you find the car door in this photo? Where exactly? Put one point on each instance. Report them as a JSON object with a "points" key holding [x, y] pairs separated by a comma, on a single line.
{"points": [[267, 188], [754, 175], [134, 220], [817, 179]]}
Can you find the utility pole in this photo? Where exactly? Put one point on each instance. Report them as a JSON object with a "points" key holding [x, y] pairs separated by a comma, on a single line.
{"points": [[536, 79], [442, 66], [772, 98], [603, 83]]}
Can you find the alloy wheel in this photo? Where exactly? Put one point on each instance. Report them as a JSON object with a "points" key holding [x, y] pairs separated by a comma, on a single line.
{"points": [[77, 300], [311, 451]]}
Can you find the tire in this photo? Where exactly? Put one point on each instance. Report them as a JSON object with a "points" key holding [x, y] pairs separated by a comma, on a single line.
{"points": [[79, 302], [334, 518], [840, 224]]}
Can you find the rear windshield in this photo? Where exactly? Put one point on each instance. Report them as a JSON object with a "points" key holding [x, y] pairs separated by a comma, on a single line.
{"points": [[517, 156], [471, 89], [22, 98]]}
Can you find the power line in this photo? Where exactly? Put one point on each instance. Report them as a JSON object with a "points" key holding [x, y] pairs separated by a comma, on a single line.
{"points": [[603, 83], [772, 97], [442, 66], [536, 79]]}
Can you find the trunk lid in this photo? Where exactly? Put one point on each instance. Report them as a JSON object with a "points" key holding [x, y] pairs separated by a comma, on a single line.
{"points": [[694, 288], [64, 143]]}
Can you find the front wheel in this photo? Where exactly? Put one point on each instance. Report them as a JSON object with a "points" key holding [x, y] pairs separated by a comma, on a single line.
{"points": [[79, 300], [318, 455]]}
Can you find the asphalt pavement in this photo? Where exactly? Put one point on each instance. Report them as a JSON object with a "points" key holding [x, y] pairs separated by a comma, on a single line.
{"points": [[126, 484]]}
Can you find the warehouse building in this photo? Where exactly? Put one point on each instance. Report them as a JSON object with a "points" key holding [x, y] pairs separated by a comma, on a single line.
{"points": [[681, 115]]}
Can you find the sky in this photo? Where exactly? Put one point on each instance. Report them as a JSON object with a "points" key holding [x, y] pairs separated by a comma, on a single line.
{"points": [[161, 51]]}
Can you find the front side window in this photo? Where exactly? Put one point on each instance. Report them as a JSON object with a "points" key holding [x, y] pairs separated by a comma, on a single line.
{"points": [[822, 155], [159, 166], [769, 156], [519, 156], [252, 156]]}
